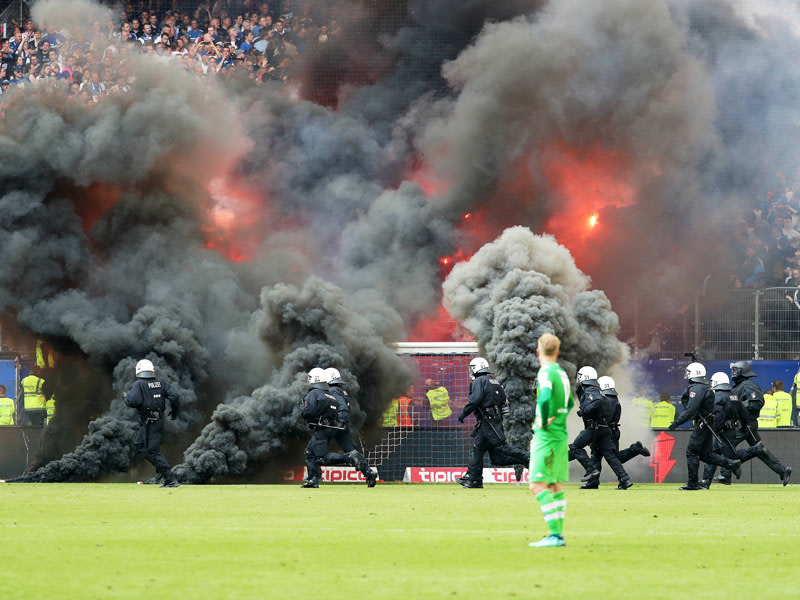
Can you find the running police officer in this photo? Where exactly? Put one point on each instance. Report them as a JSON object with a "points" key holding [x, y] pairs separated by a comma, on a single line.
{"points": [[699, 402], [752, 399], [609, 390], [729, 413], [589, 395], [604, 414], [343, 436], [487, 399], [320, 410], [148, 395]]}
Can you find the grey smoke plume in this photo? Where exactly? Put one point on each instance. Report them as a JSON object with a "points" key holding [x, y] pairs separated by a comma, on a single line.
{"points": [[511, 292], [115, 249]]}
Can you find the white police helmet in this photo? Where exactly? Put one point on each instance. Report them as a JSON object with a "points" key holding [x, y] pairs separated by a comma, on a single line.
{"points": [[607, 385], [478, 366], [145, 369], [586, 374], [333, 375], [317, 378], [720, 381], [696, 372]]}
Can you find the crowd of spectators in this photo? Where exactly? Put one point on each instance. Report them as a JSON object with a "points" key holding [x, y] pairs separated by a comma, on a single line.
{"points": [[258, 40], [766, 243]]}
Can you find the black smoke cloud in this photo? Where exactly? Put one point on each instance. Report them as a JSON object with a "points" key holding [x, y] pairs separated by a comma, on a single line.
{"points": [[512, 291], [107, 216]]}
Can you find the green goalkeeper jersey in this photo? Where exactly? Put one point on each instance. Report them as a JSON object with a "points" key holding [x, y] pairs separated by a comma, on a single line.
{"points": [[553, 399]]}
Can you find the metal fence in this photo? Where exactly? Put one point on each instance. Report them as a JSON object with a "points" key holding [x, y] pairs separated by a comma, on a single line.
{"points": [[738, 324]]}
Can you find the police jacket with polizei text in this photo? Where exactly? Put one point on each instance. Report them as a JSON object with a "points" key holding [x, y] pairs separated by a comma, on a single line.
{"points": [[343, 408], [729, 412], [486, 398], [613, 409], [698, 398], [592, 404], [751, 396], [320, 406], [150, 395]]}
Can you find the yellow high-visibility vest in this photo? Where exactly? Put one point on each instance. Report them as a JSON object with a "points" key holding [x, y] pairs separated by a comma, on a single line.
{"points": [[768, 417], [6, 411], [33, 397], [389, 418], [44, 356], [784, 400], [663, 415], [644, 411], [440, 403], [50, 407]]}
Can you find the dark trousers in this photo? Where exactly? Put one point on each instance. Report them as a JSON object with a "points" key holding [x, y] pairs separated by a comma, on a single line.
{"points": [[148, 445], [344, 438], [726, 448], [37, 418], [700, 448], [316, 450], [604, 446], [577, 448], [749, 433], [491, 437]]}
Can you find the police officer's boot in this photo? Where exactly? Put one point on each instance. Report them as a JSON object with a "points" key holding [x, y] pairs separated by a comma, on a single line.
{"points": [[641, 449], [736, 468], [311, 482], [518, 469], [705, 484], [170, 481]]}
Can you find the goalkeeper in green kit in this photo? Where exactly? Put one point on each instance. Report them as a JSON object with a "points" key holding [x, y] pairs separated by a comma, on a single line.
{"points": [[549, 446]]}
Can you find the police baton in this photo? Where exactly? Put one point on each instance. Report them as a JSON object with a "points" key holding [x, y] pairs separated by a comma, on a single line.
{"points": [[714, 433], [483, 417]]}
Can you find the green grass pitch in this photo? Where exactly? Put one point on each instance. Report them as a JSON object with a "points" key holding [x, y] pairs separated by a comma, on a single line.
{"points": [[106, 541]]}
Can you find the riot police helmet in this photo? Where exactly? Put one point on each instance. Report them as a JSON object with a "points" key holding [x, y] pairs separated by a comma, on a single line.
{"points": [[145, 369], [478, 366], [696, 372], [317, 378], [586, 374], [741, 370], [720, 381], [334, 377], [607, 386]]}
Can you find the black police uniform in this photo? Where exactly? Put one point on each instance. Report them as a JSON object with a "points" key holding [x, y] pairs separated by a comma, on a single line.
{"points": [[319, 409], [344, 438], [752, 398], [729, 413], [588, 393], [699, 402], [486, 399], [603, 413], [148, 396]]}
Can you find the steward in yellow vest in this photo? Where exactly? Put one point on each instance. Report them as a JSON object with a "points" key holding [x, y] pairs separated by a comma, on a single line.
{"points": [[6, 408], [32, 396], [439, 399], [644, 411], [784, 401], [663, 412], [768, 417], [389, 418]]}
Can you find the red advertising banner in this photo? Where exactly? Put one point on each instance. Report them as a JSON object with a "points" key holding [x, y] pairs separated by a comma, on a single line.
{"points": [[450, 475], [329, 475]]}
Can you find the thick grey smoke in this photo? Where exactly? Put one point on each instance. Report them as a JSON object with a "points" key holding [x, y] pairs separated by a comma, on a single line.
{"points": [[512, 291], [116, 246]]}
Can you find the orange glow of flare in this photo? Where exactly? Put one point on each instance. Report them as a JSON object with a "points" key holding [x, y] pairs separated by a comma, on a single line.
{"points": [[592, 221], [231, 223]]}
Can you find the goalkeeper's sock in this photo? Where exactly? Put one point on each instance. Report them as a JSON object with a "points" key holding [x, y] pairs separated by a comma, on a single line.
{"points": [[550, 510], [561, 502]]}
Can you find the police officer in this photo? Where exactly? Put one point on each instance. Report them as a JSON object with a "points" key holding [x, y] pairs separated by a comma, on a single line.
{"points": [[148, 395], [342, 436], [487, 399], [729, 412], [603, 413], [589, 394], [320, 410], [699, 402], [752, 399]]}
